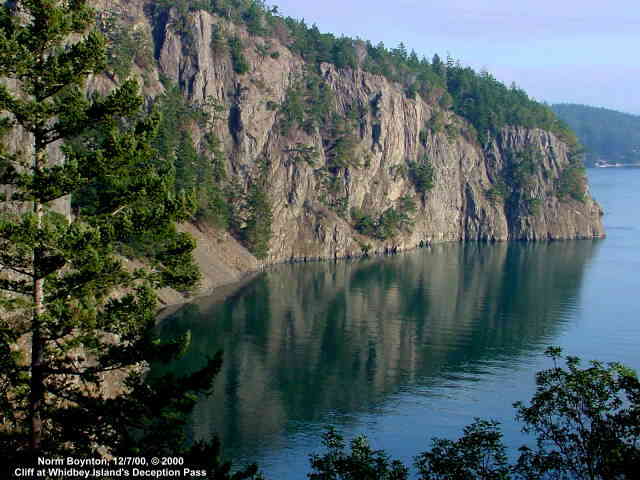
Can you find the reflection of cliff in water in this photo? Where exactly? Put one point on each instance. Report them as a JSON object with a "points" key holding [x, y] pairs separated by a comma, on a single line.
{"points": [[304, 340]]}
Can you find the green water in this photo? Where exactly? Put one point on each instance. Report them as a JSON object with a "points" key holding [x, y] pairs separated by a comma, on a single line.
{"points": [[412, 346]]}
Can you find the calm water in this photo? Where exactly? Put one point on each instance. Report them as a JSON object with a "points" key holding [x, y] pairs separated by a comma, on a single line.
{"points": [[414, 346]]}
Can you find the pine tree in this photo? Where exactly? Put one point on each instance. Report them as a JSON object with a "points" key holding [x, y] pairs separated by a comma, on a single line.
{"points": [[71, 310], [257, 232]]}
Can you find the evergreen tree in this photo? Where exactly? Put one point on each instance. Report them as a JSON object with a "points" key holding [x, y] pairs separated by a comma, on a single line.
{"points": [[67, 298], [257, 232], [185, 163], [438, 66]]}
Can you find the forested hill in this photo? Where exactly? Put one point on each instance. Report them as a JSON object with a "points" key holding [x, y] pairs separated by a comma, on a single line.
{"points": [[606, 134]]}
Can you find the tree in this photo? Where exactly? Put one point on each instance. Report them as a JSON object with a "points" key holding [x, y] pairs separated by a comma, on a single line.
{"points": [[238, 60], [257, 232], [478, 454], [586, 422], [67, 297], [361, 463], [422, 175], [438, 66]]}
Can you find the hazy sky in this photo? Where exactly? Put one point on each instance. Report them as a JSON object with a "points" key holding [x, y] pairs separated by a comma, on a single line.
{"points": [[579, 51]]}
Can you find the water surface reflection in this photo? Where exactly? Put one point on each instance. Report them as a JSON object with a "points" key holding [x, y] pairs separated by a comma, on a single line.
{"points": [[305, 341]]}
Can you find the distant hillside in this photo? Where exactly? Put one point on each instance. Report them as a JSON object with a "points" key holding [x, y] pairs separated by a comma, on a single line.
{"points": [[606, 134]]}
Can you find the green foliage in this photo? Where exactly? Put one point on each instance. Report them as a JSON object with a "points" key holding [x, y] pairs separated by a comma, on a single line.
{"points": [[478, 454], [238, 60], [523, 167], [363, 223], [391, 222], [517, 180], [515, 187], [498, 192], [533, 206], [253, 18], [343, 152], [263, 49], [176, 115], [360, 463], [198, 173], [411, 91], [212, 203], [307, 105], [436, 122], [64, 296], [236, 205], [388, 224], [257, 232], [302, 153], [218, 41], [340, 140], [186, 159], [125, 46], [572, 183], [422, 175], [452, 132], [586, 421], [423, 136], [489, 105]]}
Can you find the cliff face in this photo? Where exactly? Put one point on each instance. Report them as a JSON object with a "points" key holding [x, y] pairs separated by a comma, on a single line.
{"points": [[312, 199], [387, 139]]}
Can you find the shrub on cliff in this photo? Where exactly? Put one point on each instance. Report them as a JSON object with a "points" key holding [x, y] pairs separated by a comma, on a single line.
{"points": [[572, 183], [422, 175]]}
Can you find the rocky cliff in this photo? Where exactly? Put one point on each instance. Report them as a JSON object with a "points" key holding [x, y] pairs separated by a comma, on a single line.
{"points": [[311, 218], [321, 180]]}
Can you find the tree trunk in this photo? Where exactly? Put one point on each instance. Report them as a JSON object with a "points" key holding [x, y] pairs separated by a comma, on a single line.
{"points": [[36, 399]]}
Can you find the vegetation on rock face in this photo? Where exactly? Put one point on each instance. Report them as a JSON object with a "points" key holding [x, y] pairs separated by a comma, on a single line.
{"points": [[238, 60], [586, 423], [388, 224], [606, 134], [572, 183], [308, 105], [66, 294], [422, 175], [257, 231], [198, 171], [515, 185], [126, 46]]}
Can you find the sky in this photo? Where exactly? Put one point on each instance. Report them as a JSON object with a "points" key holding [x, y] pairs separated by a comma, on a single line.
{"points": [[559, 51]]}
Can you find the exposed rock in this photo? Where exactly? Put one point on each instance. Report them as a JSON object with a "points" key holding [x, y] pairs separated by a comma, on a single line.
{"points": [[457, 208]]}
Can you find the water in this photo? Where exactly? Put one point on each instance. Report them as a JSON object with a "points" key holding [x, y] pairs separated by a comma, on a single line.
{"points": [[414, 346]]}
